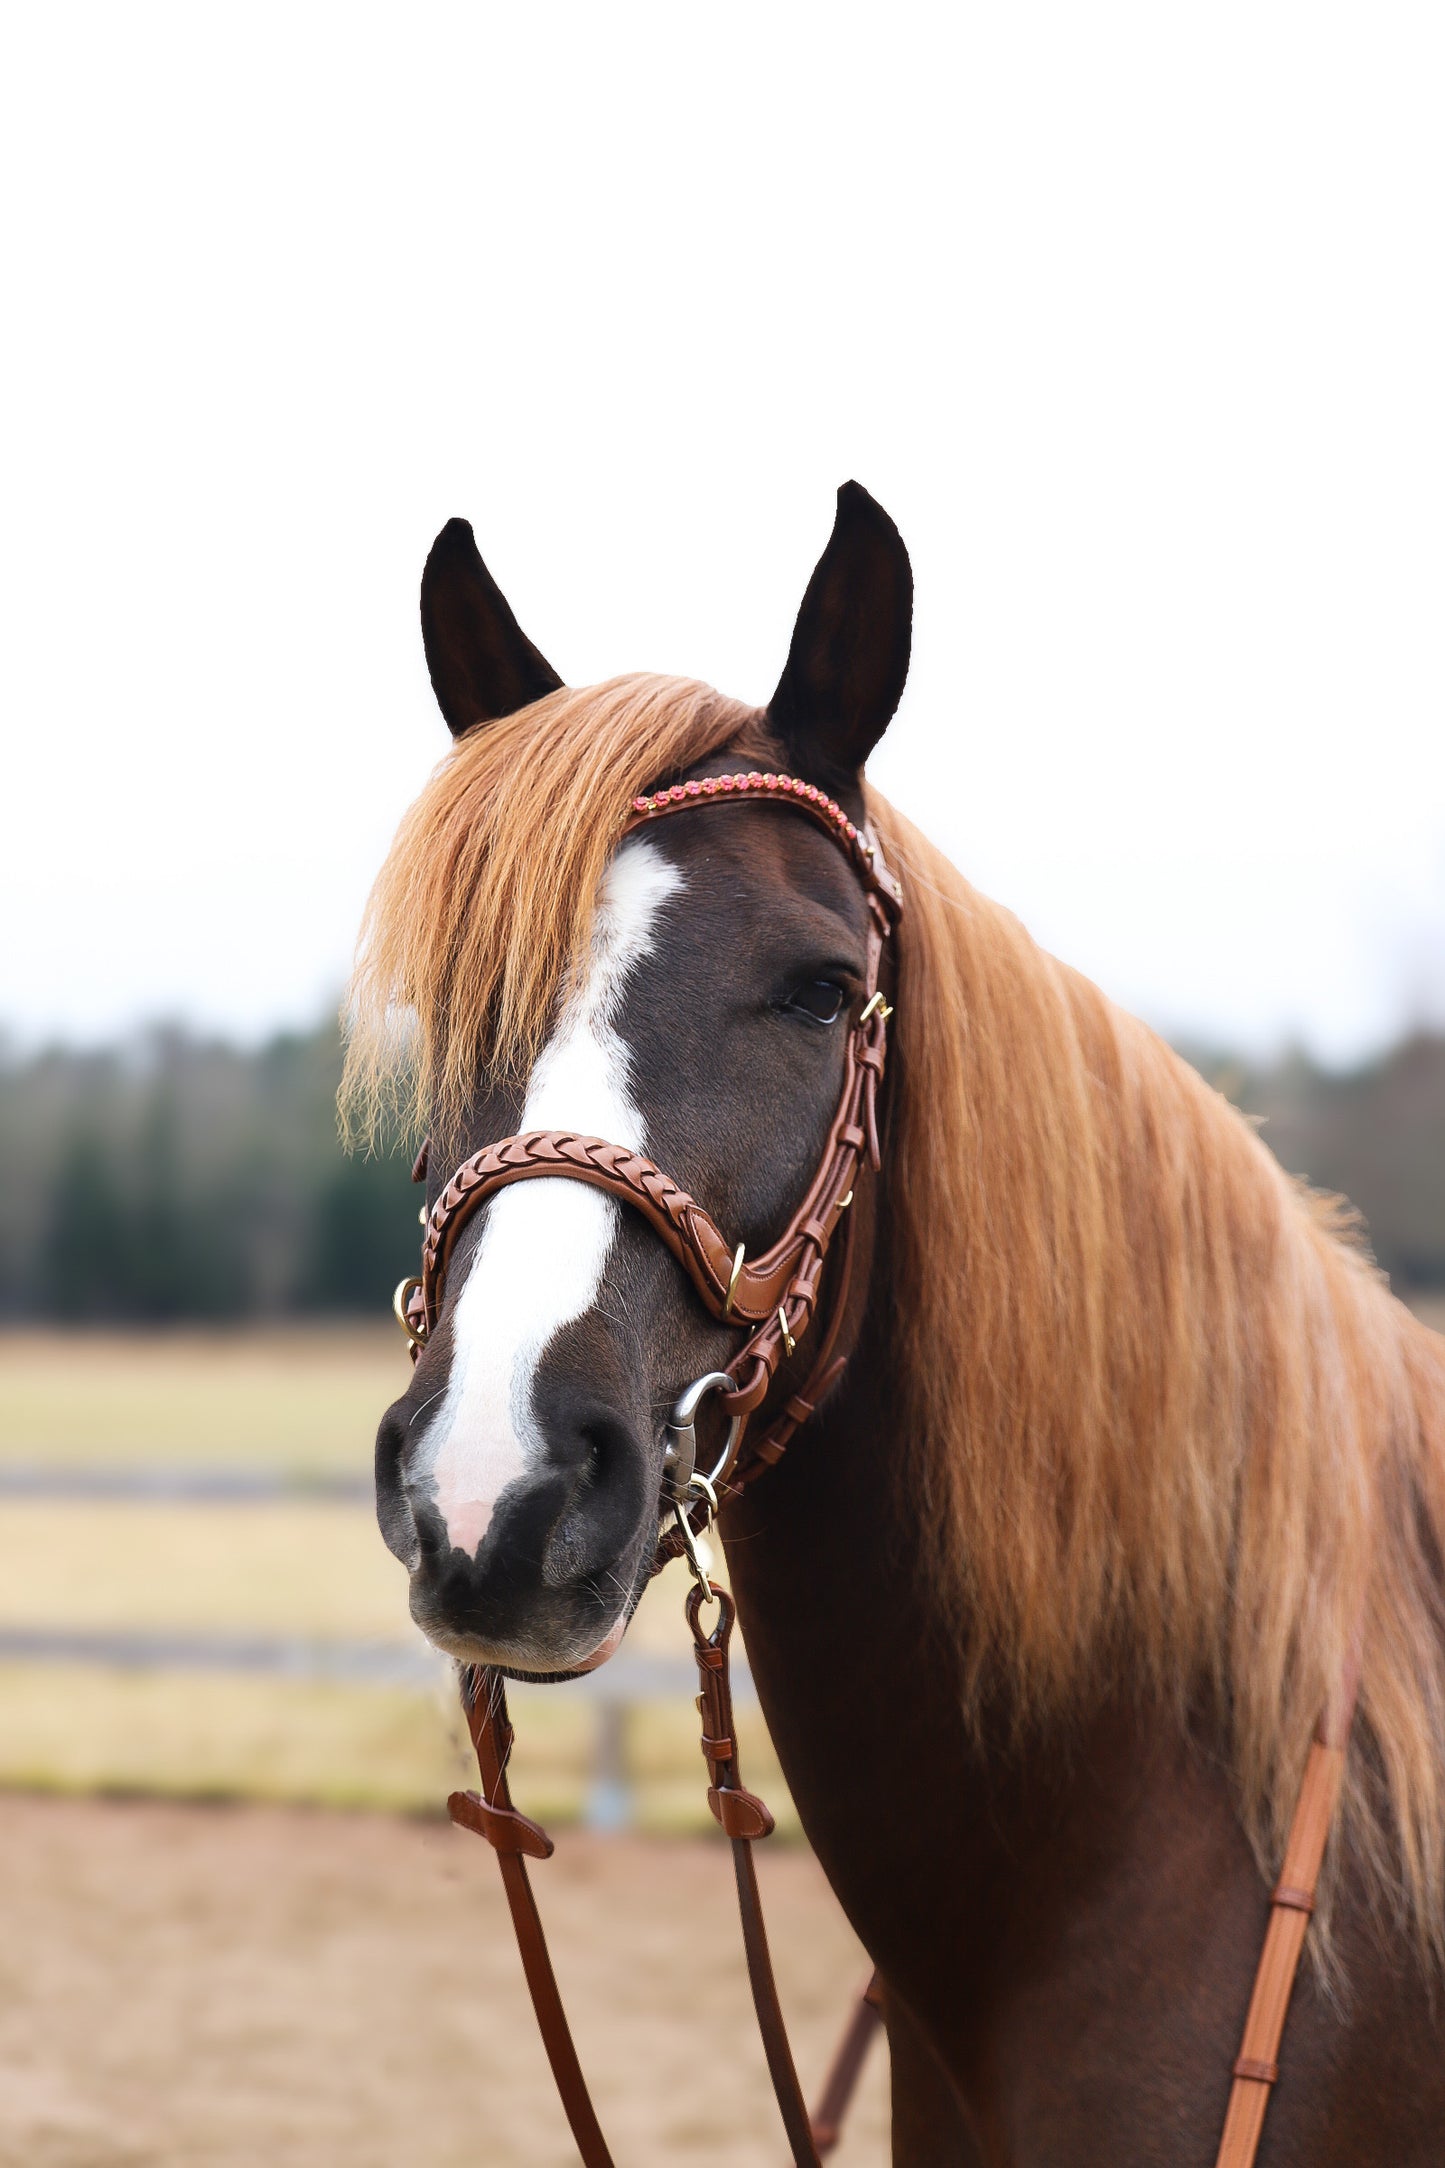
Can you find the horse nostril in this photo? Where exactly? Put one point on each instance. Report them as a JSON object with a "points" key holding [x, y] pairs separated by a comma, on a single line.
{"points": [[603, 1498], [606, 1457], [601, 1445]]}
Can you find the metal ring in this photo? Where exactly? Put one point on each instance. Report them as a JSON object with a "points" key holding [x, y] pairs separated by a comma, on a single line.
{"points": [[680, 1459]]}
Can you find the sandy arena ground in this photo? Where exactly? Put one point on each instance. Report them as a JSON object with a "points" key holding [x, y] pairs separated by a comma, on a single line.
{"points": [[187, 1985]]}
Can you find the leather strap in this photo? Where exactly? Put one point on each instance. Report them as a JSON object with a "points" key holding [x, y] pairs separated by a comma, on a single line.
{"points": [[852, 2052], [757, 1453], [749, 1292], [733, 1286], [515, 1839], [858, 844], [1256, 2067], [744, 1818]]}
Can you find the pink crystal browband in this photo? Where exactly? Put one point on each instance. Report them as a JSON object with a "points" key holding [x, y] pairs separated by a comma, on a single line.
{"points": [[788, 790]]}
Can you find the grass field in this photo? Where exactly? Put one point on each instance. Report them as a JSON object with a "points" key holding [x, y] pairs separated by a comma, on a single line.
{"points": [[304, 1400], [294, 1403]]}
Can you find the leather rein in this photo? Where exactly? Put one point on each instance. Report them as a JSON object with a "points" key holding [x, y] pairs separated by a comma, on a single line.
{"points": [[777, 1295]]}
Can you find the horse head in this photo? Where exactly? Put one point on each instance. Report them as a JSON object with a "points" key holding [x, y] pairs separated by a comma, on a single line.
{"points": [[691, 995]]}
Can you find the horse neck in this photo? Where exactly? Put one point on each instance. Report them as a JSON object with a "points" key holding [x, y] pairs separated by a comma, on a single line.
{"points": [[937, 1817]]}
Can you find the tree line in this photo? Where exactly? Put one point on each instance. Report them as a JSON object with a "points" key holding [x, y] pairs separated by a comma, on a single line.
{"points": [[1374, 1133], [180, 1177]]}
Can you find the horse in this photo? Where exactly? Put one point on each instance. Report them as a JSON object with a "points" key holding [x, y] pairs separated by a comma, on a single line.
{"points": [[1132, 1461]]}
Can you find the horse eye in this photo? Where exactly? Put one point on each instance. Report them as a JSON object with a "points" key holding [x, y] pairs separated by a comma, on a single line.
{"points": [[820, 1000]]}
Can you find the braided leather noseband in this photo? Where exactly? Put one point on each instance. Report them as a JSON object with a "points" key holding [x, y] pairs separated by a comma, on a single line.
{"points": [[777, 1295]]}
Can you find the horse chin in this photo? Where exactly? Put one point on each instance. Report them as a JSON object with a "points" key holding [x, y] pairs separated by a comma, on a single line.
{"points": [[525, 1661], [607, 1646]]}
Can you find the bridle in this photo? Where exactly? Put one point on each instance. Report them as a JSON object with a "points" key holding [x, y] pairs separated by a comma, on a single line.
{"points": [[774, 1298], [776, 1294]]}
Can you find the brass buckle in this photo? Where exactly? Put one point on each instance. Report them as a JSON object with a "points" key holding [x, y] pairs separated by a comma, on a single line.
{"points": [[405, 1290], [733, 1277]]}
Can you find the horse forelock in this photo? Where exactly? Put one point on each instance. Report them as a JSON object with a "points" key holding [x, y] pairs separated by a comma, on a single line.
{"points": [[480, 921], [1164, 1420]]}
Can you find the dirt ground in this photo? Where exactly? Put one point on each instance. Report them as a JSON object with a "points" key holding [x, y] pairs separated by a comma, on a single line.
{"points": [[187, 1985]]}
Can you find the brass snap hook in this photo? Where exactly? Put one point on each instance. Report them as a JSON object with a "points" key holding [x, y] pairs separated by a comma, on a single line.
{"points": [[698, 1487]]}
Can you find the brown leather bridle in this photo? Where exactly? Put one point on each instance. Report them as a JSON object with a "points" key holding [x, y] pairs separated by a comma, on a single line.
{"points": [[777, 1294]]}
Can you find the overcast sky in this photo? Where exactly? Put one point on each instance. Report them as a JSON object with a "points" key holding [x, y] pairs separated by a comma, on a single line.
{"points": [[1132, 316]]}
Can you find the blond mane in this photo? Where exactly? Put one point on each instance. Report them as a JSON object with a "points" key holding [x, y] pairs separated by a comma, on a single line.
{"points": [[1168, 1429], [483, 909], [1167, 1422]]}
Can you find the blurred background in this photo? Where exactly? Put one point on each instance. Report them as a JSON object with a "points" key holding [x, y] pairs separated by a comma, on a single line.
{"points": [[1132, 318]]}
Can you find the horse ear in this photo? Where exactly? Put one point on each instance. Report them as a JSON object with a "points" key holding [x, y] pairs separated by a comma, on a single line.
{"points": [[482, 664], [849, 659]]}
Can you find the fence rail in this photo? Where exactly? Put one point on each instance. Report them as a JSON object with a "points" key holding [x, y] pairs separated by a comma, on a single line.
{"points": [[629, 1679], [182, 1485]]}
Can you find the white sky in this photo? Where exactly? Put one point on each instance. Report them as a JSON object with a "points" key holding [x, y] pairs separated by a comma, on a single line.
{"points": [[1132, 316]]}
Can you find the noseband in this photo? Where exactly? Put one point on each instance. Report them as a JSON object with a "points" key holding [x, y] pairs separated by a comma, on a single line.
{"points": [[776, 1293]]}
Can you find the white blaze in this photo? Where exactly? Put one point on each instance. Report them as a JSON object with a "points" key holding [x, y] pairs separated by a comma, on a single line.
{"points": [[545, 1245]]}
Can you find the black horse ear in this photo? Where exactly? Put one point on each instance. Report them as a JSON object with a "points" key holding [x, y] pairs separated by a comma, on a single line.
{"points": [[849, 659], [482, 664]]}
